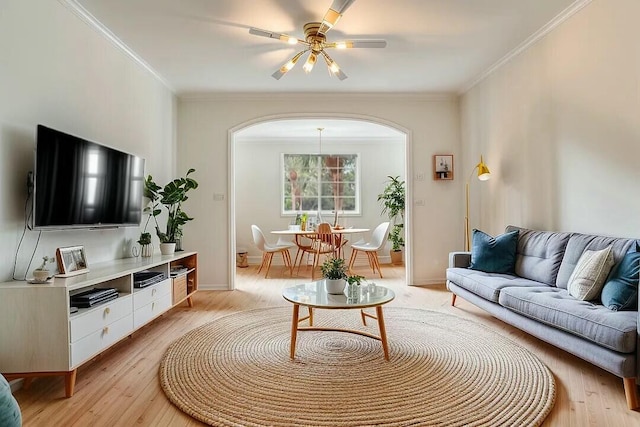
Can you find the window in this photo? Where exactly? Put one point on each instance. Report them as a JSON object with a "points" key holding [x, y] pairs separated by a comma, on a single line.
{"points": [[313, 182]]}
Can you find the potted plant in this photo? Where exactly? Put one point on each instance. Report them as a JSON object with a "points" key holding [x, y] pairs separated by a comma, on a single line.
{"points": [[393, 204], [171, 196], [334, 270], [41, 274]]}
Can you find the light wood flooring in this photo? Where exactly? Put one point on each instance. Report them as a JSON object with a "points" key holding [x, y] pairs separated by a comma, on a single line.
{"points": [[121, 387]]}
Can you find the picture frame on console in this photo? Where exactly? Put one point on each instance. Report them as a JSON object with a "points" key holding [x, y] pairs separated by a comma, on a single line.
{"points": [[72, 261]]}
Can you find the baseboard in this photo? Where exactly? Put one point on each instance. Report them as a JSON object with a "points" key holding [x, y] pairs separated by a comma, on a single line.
{"points": [[429, 282], [216, 287]]}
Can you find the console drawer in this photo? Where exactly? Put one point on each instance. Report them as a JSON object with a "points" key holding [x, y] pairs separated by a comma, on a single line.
{"points": [[93, 344], [152, 310], [144, 296], [98, 317]]}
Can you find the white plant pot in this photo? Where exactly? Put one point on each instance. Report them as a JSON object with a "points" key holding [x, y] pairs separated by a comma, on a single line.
{"points": [[167, 248], [335, 286], [40, 275], [147, 250]]}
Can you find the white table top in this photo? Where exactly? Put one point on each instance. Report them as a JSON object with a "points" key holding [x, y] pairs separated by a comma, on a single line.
{"points": [[307, 232], [314, 294]]}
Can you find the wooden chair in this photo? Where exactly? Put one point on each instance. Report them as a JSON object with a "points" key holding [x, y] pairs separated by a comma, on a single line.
{"points": [[268, 250], [323, 244], [378, 238]]}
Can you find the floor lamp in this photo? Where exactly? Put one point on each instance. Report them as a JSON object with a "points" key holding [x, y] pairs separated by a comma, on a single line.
{"points": [[483, 175]]}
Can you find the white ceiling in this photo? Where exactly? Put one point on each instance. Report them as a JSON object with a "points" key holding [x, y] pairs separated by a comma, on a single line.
{"points": [[434, 46]]}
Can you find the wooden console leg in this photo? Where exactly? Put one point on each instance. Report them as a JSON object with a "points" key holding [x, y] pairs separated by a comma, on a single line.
{"points": [[189, 302], [631, 392], [70, 382], [453, 299]]}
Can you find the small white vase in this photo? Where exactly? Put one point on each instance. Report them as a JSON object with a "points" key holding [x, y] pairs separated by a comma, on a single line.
{"points": [[334, 286], [167, 248], [147, 250]]}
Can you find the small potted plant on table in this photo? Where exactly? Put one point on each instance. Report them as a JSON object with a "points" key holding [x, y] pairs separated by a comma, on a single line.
{"points": [[334, 270], [42, 274]]}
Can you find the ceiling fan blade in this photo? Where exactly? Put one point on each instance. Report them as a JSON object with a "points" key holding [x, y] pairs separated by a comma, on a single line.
{"points": [[278, 36], [356, 44], [338, 7]]}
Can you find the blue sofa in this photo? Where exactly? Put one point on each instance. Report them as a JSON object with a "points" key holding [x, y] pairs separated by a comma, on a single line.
{"points": [[535, 299]]}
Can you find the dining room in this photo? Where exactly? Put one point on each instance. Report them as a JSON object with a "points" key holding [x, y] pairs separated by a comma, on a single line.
{"points": [[293, 173]]}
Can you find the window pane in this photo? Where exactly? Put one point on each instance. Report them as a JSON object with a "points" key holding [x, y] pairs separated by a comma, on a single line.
{"points": [[312, 180]]}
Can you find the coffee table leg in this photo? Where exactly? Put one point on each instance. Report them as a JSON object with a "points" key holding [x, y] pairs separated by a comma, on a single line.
{"points": [[294, 329], [383, 332]]}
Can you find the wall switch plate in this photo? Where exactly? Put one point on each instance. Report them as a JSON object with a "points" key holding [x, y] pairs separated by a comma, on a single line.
{"points": [[420, 202], [218, 197], [420, 176]]}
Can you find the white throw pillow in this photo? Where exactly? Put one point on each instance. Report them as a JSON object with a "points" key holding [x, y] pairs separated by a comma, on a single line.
{"points": [[588, 277]]}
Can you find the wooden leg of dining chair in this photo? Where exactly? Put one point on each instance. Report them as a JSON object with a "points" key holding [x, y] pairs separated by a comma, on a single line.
{"points": [[264, 254], [376, 260], [269, 259], [371, 263], [286, 256], [352, 259]]}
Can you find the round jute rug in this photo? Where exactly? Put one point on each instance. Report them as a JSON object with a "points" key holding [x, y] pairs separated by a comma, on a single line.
{"points": [[443, 370]]}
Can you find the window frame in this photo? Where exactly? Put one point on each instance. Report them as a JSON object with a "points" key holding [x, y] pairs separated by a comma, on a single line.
{"points": [[357, 183]]}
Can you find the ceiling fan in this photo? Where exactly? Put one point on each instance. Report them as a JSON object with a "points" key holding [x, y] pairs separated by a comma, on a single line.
{"points": [[315, 41]]}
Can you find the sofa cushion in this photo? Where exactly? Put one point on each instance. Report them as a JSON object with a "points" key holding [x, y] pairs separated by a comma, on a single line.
{"points": [[588, 277], [578, 243], [620, 292], [494, 254], [539, 254], [485, 285], [554, 306]]}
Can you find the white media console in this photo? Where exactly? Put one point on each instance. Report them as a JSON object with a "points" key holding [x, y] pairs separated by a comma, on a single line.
{"points": [[39, 335]]}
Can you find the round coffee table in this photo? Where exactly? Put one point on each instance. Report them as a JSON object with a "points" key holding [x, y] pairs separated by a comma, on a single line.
{"points": [[314, 295]]}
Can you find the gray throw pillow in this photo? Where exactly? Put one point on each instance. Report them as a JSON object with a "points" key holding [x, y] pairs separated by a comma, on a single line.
{"points": [[588, 277]]}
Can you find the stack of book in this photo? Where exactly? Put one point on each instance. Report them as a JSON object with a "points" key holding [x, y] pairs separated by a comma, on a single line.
{"points": [[93, 296]]}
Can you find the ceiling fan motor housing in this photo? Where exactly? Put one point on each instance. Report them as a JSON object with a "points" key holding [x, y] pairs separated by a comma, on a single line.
{"points": [[311, 35]]}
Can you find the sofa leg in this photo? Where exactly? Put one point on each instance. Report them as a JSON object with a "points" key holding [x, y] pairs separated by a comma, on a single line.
{"points": [[631, 392], [453, 299]]}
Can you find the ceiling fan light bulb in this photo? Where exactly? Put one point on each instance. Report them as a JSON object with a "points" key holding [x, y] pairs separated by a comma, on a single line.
{"points": [[334, 68], [292, 40], [341, 45], [288, 66], [311, 61]]}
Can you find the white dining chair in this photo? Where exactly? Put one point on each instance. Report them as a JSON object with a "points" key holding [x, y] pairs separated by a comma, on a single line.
{"points": [[371, 248], [269, 249]]}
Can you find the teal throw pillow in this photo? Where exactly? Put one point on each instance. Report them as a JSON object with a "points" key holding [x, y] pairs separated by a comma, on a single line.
{"points": [[620, 292], [494, 254]]}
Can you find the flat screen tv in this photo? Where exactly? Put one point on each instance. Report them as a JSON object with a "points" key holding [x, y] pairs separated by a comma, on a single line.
{"points": [[83, 184]]}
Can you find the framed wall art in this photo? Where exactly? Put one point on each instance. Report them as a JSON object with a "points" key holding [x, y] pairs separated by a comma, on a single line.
{"points": [[443, 167], [71, 261]]}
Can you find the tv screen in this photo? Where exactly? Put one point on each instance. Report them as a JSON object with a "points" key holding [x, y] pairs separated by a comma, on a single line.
{"points": [[79, 183]]}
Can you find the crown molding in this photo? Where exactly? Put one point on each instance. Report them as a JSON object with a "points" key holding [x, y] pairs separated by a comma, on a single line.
{"points": [[98, 26], [258, 96], [571, 10]]}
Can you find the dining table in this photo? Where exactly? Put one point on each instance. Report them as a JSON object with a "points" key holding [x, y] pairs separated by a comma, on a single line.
{"points": [[339, 231]]}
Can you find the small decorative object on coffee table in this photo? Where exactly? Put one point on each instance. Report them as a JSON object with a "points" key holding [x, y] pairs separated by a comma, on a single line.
{"points": [[314, 295], [353, 286]]}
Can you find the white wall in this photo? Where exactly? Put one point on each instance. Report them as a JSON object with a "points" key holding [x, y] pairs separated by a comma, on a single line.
{"points": [[57, 71], [258, 182], [203, 126], [559, 126]]}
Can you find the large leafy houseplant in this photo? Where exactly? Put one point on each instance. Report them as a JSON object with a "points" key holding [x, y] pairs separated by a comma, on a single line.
{"points": [[171, 196], [393, 204]]}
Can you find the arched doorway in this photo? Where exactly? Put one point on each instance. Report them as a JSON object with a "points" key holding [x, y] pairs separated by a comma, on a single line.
{"points": [[255, 184]]}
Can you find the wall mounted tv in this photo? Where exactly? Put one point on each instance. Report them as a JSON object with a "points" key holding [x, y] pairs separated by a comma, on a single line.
{"points": [[83, 184]]}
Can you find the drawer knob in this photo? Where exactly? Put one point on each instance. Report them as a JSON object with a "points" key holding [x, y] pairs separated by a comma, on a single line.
{"points": [[107, 311], [153, 305], [153, 291], [105, 330]]}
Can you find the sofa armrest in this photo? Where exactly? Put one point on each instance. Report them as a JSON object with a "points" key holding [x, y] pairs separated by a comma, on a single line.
{"points": [[459, 259]]}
